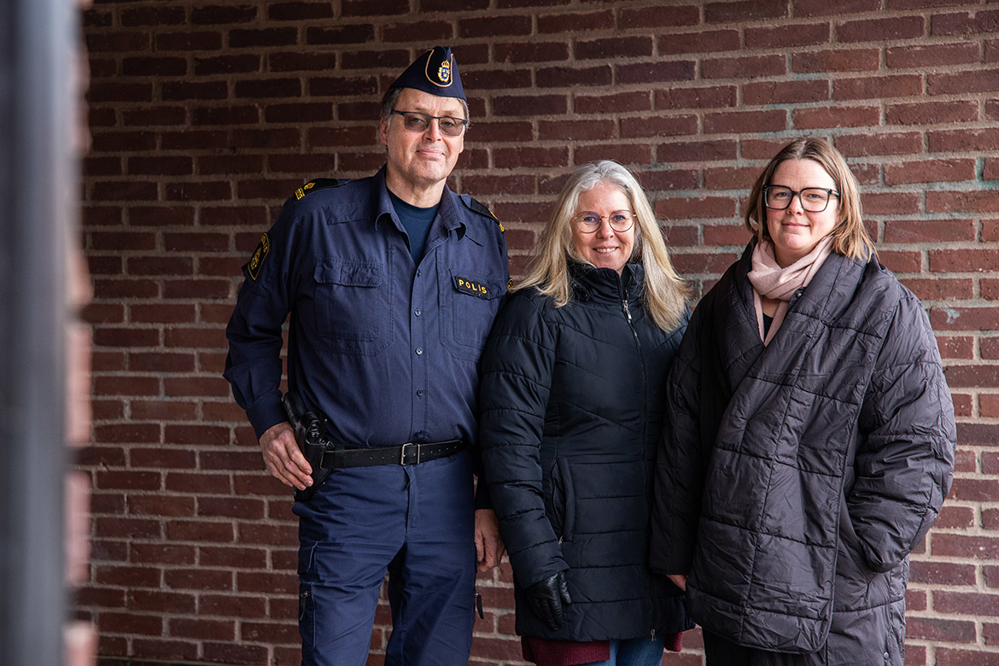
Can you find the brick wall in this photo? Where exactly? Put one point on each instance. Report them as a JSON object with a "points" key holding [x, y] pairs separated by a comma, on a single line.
{"points": [[206, 116]]}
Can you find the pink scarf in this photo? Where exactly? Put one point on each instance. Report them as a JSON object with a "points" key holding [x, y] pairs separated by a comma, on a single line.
{"points": [[772, 281]]}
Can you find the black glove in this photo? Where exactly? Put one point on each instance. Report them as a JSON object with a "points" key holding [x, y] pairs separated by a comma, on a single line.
{"points": [[547, 597]]}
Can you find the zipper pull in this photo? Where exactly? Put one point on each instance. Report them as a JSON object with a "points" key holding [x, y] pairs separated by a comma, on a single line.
{"points": [[628, 315]]}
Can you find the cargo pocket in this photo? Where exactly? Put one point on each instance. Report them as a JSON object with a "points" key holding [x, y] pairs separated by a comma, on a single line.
{"points": [[469, 302], [352, 305]]}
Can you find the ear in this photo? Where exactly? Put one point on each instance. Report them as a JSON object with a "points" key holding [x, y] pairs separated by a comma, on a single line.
{"points": [[383, 131]]}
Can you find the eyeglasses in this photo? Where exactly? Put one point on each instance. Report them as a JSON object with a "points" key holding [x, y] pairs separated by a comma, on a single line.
{"points": [[588, 221], [415, 121], [812, 199]]}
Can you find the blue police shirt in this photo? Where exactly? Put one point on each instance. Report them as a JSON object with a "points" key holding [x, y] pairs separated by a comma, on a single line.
{"points": [[386, 348]]}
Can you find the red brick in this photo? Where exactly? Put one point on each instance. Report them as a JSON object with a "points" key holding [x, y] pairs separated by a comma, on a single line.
{"points": [[126, 385], [152, 505], [964, 23], [942, 573], [930, 171], [416, 31], [933, 55], [269, 632], [154, 67], [575, 22], [155, 115], [297, 62], [891, 203], [697, 151], [197, 484], [244, 654], [129, 433], [656, 179], [117, 41], [559, 77], [216, 15], [706, 41], [951, 631], [151, 648], [344, 34], [671, 16], [153, 16], [494, 26], [201, 140], [882, 87], [977, 201], [296, 11], [162, 314], [836, 116], [198, 579], [974, 490], [268, 88], [988, 405], [970, 376], [671, 70], [946, 656], [743, 67], [188, 41], [530, 105], [130, 623], [781, 37], [696, 98], [126, 528], [162, 458], [229, 507], [232, 606], [745, 121], [512, 158], [955, 517], [242, 558], [227, 64], [970, 547], [616, 103], [658, 126], [877, 30], [529, 53], [629, 154], [158, 553], [268, 583], [942, 289], [129, 576], [695, 208], [836, 60], [962, 83], [613, 47], [747, 10], [779, 92], [220, 630]]}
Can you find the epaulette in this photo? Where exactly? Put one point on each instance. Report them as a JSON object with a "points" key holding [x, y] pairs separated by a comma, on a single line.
{"points": [[474, 205], [320, 184]]}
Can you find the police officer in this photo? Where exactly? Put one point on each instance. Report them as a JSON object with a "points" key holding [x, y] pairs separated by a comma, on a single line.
{"points": [[392, 283]]}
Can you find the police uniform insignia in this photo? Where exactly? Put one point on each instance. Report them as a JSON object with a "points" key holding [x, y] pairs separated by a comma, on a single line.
{"points": [[510, 284], [320, 184], [444, 73], [471, 287], [257, 258], [481, 209]]}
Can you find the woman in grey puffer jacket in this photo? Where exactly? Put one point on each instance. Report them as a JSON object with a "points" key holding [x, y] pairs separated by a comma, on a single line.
{"points": [[812, 439]]}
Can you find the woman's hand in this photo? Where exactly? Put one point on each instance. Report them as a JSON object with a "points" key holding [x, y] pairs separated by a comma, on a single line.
{"points": [[547, 599], [680, 580]]}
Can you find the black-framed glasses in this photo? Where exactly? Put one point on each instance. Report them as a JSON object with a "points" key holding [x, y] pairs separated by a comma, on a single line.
{"points": [[812, 199], [588, 221], [415, 121]]}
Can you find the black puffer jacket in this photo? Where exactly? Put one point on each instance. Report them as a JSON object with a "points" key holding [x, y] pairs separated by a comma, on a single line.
{"points": [[572, 408], [796, 479]]}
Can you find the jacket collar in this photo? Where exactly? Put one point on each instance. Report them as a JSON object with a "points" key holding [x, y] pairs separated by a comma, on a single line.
{"points": [[590, 283]]}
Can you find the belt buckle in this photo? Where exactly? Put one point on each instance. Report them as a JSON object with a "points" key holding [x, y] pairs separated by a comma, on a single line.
{"points": [[402, 453]]}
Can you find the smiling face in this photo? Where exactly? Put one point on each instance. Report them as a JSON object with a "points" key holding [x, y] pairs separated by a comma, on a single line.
{"points": [[794, 231], [419, 162], [605, 247]]}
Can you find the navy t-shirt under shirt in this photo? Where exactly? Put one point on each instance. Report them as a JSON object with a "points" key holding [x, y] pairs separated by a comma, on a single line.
{"points": [[416, 221]]}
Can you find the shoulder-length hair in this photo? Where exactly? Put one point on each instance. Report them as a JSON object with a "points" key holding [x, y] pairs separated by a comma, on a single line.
{"points": [[850, 238], [664, 291]]}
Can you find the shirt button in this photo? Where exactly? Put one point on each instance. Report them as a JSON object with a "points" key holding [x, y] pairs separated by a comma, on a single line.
{"points": [[418, 273], [418, 312], [420, 351], [420, 393], [886, 656]]}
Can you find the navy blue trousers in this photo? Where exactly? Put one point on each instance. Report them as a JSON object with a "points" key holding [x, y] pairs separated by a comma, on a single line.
{"points": [[414, 522]]}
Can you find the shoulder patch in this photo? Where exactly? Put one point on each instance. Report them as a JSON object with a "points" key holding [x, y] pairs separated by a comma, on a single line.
{"points": [[257, 258], [320, 184], [472, 204]]}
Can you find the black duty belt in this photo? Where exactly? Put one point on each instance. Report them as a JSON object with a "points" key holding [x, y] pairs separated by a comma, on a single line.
{"points": [[407, 454]]}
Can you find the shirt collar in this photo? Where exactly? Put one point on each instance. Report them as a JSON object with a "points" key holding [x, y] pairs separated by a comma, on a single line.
{"points": [[448, 211]]}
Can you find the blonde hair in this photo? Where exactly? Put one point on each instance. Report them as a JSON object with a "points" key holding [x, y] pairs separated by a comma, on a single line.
{"points": [[850, 238], [664, 291]]}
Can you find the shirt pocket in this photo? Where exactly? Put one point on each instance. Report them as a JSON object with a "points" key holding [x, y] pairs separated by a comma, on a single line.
{"points": [[469, 302], [352, 306]]}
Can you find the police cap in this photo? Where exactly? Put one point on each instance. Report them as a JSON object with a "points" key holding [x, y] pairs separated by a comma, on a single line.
{"points": [[434, 72]]}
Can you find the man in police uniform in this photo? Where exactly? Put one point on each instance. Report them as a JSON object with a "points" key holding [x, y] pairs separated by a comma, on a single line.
{"points": [[392, 283]]}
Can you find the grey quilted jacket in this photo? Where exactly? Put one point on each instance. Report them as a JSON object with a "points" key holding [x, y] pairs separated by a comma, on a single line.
{"points": [[796, 479]]}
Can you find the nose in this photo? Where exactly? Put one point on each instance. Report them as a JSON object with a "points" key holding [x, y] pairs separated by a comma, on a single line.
{"points": [[605, 230], [433, 131], [795, 207]]}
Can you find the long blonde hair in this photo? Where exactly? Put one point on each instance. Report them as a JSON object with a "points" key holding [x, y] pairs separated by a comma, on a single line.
{"points": [[664, 292], [850, 238]]}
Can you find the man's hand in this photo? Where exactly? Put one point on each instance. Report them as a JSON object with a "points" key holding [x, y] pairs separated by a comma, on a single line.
{"points": [[680, 580], [489, 547], [283, 458]]}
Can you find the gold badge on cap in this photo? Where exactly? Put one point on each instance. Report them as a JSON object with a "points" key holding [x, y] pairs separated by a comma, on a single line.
{"points": [[441, 78]]}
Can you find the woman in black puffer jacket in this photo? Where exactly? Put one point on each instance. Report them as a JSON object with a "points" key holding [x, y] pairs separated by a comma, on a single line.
{"points": [[571, 398], [812, 435]]}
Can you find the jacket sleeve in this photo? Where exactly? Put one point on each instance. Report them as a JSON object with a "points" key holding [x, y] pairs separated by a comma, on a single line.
{"points": [[253, 366], [516, 377], [906, 456], [680, 472]]}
